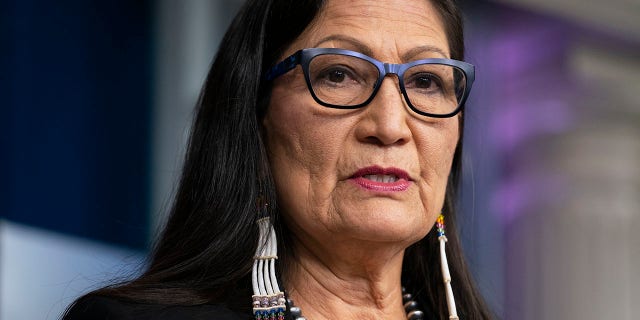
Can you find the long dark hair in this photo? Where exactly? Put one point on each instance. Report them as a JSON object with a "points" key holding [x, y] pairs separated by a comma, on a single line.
{"points": [[205, 253]]}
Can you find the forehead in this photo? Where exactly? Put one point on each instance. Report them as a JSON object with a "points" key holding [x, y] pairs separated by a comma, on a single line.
{"points": [[387, 28]]}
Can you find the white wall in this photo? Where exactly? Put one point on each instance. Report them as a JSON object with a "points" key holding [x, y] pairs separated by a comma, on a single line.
{"points": [[41, 272]]}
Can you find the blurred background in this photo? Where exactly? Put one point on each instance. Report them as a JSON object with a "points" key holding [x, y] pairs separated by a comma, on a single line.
{"points": [[97, 98]]}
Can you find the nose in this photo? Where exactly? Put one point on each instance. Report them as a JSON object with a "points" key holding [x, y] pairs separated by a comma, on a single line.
{"points": [[385, 119]]}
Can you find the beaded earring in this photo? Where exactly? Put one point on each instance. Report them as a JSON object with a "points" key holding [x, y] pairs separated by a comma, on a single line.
{"points": [[268, 300], [446, 276]]}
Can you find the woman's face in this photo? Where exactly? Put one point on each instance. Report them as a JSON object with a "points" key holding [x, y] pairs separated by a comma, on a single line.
{"points": [[377, 173]]}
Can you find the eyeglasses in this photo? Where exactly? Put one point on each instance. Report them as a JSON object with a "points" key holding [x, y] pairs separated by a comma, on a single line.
{"points": [[345, 79]]}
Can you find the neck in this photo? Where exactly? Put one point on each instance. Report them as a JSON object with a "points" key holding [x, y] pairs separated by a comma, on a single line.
{"points": [[357, 287]]}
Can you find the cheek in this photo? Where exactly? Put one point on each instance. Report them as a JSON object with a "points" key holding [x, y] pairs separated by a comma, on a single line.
{"points": [[437, 144], [436, 148], [295, 143], [285, 147], [304, 148]]}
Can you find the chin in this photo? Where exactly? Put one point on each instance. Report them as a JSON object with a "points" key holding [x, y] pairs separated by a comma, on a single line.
{"points": [[388, 226]]}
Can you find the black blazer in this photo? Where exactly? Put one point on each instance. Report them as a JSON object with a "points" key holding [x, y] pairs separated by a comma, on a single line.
{"points": [[102, 308]]}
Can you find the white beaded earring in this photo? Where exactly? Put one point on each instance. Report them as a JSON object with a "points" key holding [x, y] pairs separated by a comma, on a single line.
{"points": [[268, 300], [446, 276]]}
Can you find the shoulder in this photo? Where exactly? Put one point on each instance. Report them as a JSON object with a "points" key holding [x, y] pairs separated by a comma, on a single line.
{"points": [[104, 308]]}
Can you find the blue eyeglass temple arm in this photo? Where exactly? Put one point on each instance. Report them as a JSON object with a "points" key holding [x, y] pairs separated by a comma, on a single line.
{"points": [[284, 66]]}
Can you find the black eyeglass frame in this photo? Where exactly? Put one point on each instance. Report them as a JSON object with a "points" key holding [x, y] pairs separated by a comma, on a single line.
{"points": [[304, 57]]}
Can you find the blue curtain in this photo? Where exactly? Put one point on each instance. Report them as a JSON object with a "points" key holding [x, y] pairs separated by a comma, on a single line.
{"points": [[75, 111]]}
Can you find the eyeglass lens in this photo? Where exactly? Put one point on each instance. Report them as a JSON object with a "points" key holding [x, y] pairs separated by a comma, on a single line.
{"points": [[345, 81]]}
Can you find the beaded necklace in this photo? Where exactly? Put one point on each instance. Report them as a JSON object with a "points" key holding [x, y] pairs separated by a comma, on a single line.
{"points": [[410, 307]]}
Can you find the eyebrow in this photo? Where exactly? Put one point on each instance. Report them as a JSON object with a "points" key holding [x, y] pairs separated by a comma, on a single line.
{"points": [[422, 49], [362, 48]]}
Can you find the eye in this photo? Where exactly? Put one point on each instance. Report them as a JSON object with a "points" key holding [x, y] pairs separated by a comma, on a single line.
{"points": [[334, 75], [424, 81]]}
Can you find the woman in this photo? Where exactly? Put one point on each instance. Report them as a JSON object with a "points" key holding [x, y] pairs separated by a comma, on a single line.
{"points": [[350, 149]]}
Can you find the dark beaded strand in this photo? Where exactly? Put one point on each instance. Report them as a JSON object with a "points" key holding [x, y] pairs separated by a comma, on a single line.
{"points": [[410, 307]]}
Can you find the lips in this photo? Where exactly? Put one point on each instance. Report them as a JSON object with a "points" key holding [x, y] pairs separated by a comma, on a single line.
{"points": [[376, 178]]}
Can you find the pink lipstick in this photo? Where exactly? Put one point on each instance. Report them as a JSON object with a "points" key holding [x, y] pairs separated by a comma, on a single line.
{"points": [[376, 178]]}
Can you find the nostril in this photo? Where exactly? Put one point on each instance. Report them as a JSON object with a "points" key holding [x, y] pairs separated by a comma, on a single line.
{"points": [[385, 140], [374, 140]]}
